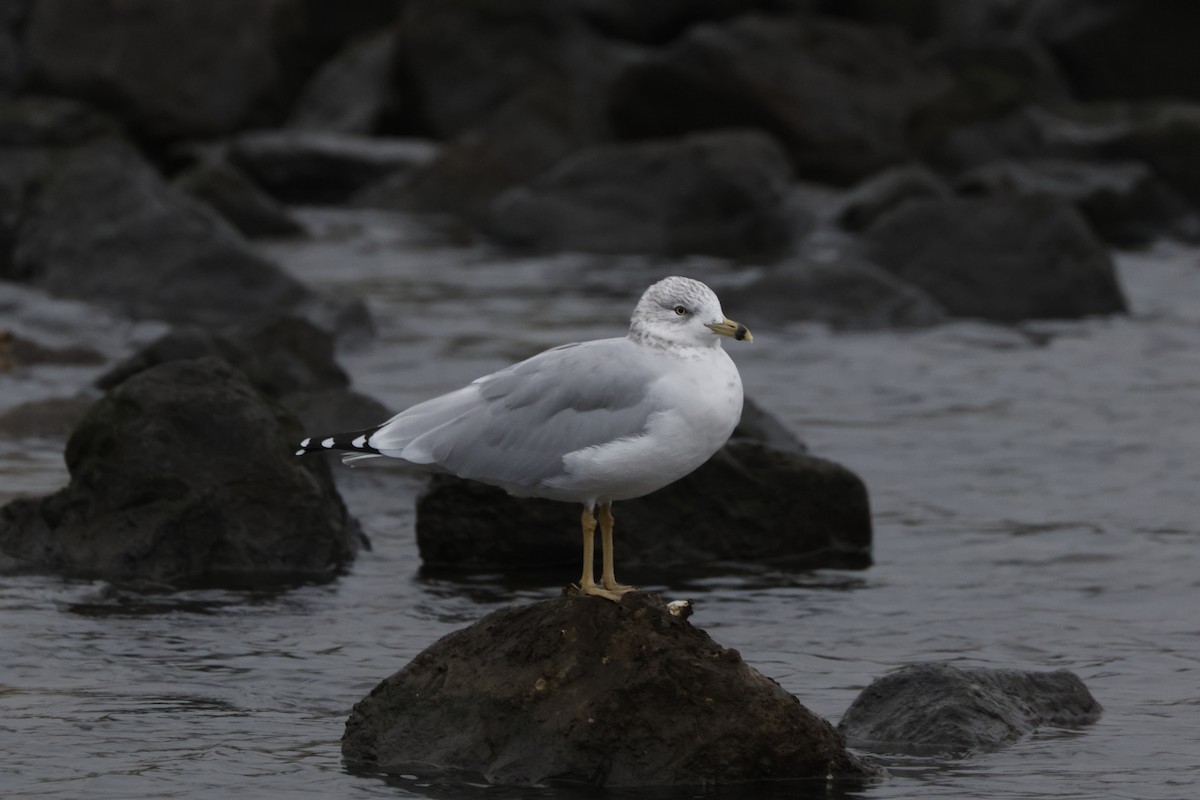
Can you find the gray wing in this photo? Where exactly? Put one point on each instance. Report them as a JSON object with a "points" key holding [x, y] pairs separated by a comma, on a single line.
{"points": [[515, 426]]}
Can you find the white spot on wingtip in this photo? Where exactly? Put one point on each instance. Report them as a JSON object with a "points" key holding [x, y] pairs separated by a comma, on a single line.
{"points": [[328, 442], [306, 442], [301, 451], [359, 442]]}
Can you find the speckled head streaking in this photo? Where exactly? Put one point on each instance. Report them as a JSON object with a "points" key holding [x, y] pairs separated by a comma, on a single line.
{"points": [[682, 312]]}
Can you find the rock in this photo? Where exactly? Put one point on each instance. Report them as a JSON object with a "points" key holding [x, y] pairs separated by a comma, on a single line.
{"points": [[1003, 259], [353, 93], [846, 294], [322, 168], [1165, 136], [718, 193], [1122, 50], [521, 140], [1123, 201], [12, 53], [660, 22], [939, 708], [183, 475], [837, 96], [36, 122], [147, 251], [465, 61], [286, 358], [880, 193], [238, 199], [760, 499], [585, 691], [171, 68]]}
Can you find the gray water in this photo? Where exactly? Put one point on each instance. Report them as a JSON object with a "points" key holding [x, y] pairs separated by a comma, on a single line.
{"points": [[1033, 489]]}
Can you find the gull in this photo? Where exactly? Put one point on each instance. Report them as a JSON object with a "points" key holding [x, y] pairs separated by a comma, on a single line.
{"points": [[589, 423]]}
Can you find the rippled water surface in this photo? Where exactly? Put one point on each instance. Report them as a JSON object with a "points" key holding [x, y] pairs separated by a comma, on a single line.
{"points": [[1034, 492]]}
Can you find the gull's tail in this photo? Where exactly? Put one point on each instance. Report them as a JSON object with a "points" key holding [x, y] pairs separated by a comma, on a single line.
{"points": [[357, 443]]}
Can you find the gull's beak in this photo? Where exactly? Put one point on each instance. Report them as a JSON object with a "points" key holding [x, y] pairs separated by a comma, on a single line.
{"points": [[728, 327]]}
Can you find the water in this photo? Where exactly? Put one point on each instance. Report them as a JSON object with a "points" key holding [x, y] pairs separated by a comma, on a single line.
{"points": [[1033, 490]]}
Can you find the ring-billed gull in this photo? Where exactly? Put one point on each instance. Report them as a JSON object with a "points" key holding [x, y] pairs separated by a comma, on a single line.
{"points": [[590, 423]]}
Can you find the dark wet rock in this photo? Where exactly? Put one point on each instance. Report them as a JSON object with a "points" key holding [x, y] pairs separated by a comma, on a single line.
{"points": [[353, 93], [662, 21], [37, 121], [1112, 49], [1003, 259], [586, 691], [286, 358], [319, 167], [880, 193], [12, 51], [171, 69], [717, 193], [837, 96], [184, 475], [759, 500], [238, 199], [939, 708], [1165, 136], [464, 61], [1123, 201], [845, 293], [147, 250], [521, 140]]}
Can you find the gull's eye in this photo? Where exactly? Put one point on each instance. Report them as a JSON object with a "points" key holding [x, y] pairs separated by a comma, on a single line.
{"points": [[680, 310]]}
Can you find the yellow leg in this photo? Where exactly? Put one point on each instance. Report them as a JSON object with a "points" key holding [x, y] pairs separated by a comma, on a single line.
{"points": [[587, 581], [607, 579]]}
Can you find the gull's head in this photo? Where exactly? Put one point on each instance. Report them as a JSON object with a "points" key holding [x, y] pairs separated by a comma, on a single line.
{"points": [[682, 311]]}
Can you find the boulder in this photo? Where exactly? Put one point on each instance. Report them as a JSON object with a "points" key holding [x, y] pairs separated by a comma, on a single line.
{"points": [[844, 293], [171, 68], [1165, 136], [238, 199], [580, 690], [286, 358], [759, 500], [353, 93], [837, 96], [928, 709], [184, 475], [147, 251], [318, 167], [879, 194], [718, 193], [178, 69], [1004, 259], [519, 141], [35, 121], [1111, 49], [662, 21], [462, 62], [1123, 200]]}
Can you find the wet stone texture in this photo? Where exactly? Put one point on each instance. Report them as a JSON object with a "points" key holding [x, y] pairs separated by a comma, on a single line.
{"points": [[184, 475], [939, 708], [583, 690]]}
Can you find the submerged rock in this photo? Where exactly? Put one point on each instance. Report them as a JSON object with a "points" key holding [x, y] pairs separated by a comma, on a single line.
{"points": [[760, 499], [183, 474], [584, 690], [939, 708]]}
